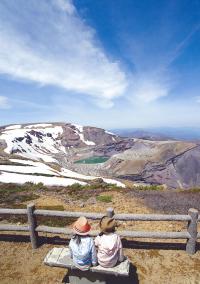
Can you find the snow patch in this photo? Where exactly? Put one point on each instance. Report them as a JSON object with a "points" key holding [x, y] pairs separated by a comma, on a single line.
{"points": [[35, 144], [29, 162], [27, 170], [113, 181], [87, 142], [20, 178], [69, 173], [64, 172], [108, 132], [16, 126], [79, 127], [81, 135], [38, 125]]}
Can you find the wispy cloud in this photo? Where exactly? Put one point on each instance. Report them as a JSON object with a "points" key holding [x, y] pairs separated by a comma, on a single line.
{"points": [[153, 56], [4, 102], [66, 5], [147, 87], [56, 47], [182, 44], [197, 99]]}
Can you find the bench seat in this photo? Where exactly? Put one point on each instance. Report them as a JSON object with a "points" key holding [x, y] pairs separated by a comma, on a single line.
{"points": [[60, 257]]}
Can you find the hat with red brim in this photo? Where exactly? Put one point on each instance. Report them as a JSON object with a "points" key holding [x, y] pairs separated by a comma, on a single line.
{"points": [[81, 226]]}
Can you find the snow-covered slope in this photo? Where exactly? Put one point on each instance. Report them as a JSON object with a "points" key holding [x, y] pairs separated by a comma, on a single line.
{"points": [[30, 171], [79, 131], [37, 143], [44, 141], [6, 177], [41, 145]]}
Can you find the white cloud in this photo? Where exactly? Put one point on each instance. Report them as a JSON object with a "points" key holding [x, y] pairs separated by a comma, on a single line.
{"points": [[4, 103], [197, 99], [65, 5], [51, 45], [147, 88]]}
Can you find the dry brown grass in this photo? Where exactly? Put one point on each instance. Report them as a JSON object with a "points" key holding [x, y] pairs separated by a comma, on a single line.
{"points": [[19, 264]]}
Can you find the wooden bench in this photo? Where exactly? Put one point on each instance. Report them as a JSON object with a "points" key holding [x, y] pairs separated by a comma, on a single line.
{"points": [[60, 257]]}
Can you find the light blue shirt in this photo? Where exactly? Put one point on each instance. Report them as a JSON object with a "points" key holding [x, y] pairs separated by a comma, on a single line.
{"points": [[84, 253]]}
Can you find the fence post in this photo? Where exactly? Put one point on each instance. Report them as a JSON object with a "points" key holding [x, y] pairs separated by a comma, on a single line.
{"points": [[32, 225], [192, 230], [110, 212]]}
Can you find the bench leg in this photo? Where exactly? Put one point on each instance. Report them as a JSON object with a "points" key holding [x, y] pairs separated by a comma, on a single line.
{"points": [[85, 277]]}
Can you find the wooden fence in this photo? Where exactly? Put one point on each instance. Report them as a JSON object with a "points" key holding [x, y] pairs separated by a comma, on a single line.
{"points": [[191, 235]]}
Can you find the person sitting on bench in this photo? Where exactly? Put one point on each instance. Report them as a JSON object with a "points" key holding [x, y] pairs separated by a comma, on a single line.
{"points": [[108, 243], [81, 246]]}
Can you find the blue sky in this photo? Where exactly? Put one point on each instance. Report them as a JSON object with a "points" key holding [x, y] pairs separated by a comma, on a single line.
{"points": [[107, 63]]}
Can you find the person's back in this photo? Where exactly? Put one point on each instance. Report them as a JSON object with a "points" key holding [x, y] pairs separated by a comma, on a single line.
{"points": [[109, 249], [83, 252], [108, 244], [82, 246]]}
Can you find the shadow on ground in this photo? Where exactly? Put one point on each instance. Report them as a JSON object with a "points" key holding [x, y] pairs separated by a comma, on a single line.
{"points": [[131, 279], [126, 243]]}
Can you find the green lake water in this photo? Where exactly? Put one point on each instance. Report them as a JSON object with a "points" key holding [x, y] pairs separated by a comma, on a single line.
{"points": [[92, 160]]}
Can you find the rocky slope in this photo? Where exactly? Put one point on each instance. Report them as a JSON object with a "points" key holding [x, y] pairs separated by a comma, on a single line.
{"points": [[60, 145]]}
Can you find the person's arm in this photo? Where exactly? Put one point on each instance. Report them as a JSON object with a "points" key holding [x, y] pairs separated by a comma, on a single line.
{"points": [[121, 254], [96, 241], [94, 254], [70, 250]]}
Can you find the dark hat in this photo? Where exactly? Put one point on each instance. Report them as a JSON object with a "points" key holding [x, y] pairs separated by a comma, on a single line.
{"points": [[107, 224]]}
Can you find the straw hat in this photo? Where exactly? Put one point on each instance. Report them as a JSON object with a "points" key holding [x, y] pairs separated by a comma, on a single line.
{"points": [[81, 226], [107, 224]]}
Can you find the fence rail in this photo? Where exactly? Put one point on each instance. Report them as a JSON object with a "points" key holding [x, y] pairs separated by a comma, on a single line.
{"points": [[191, 235]]}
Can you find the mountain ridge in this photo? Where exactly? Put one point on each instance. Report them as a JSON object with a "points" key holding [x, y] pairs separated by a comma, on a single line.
{"points": [[169, 162], [161, 133]]}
